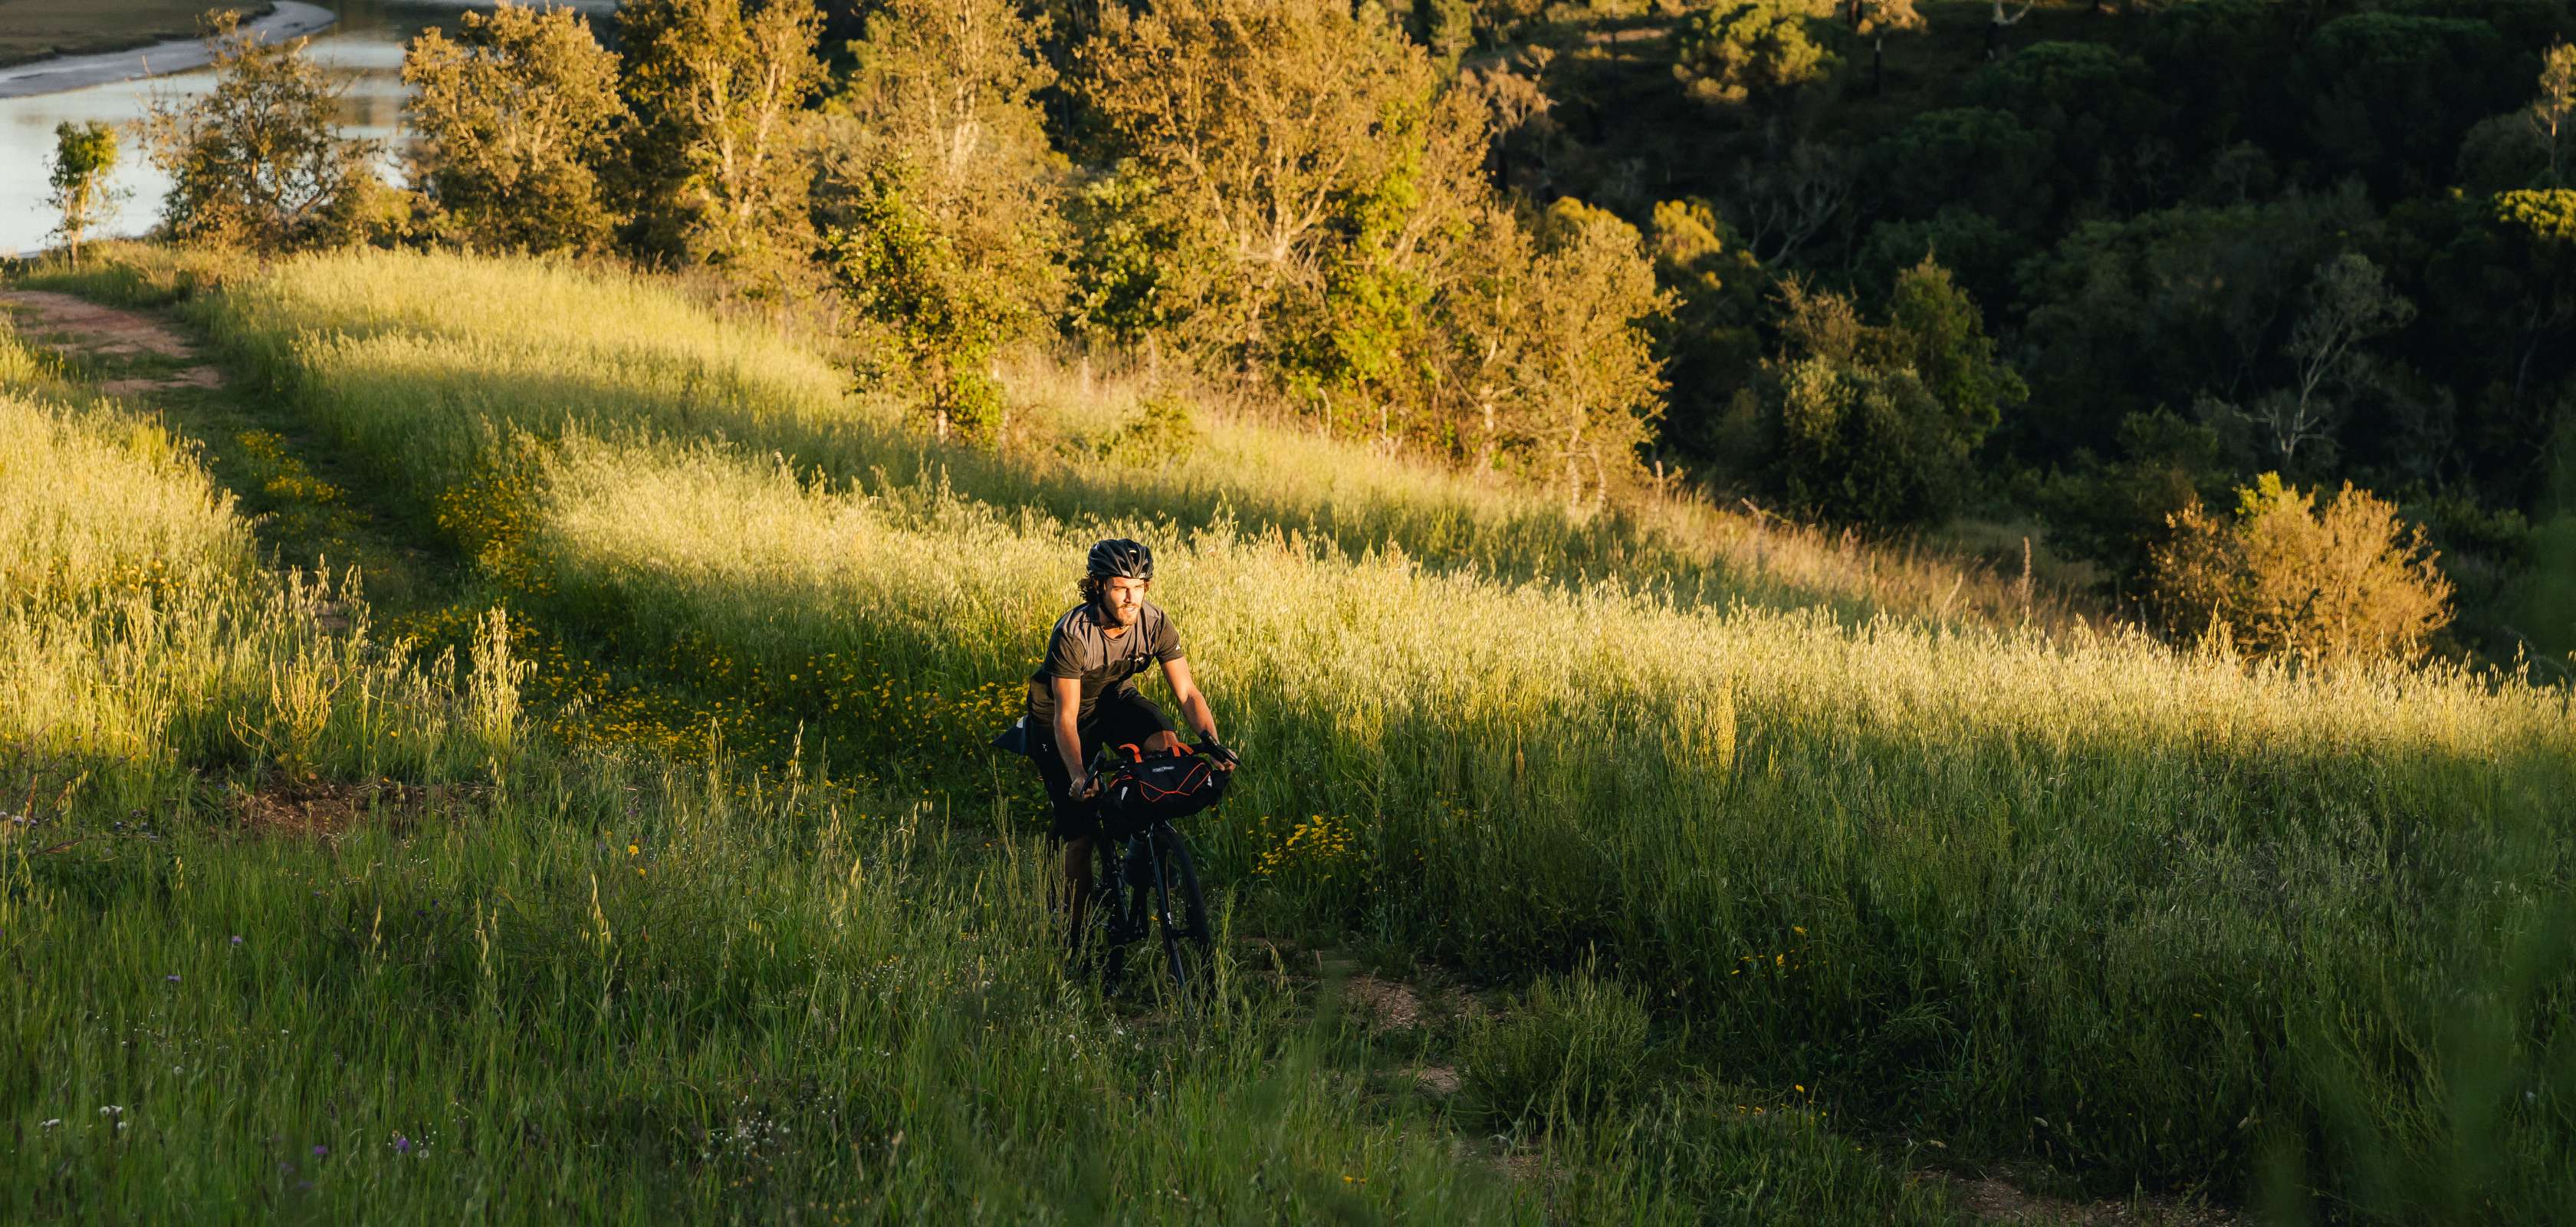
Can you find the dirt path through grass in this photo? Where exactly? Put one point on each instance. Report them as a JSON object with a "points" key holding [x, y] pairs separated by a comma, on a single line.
{"points": [[311, 506], [83, 328]]}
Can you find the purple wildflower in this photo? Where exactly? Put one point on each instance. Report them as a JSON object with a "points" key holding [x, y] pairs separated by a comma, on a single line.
{"points": [[319, 1151], [402, 1145], [236, 939], [173, 977]]}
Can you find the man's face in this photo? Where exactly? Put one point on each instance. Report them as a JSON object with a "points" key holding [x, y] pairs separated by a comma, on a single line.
{"points": [[1122, 597]]}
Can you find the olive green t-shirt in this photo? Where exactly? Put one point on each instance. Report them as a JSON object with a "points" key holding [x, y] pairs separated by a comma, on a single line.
{"points": [[1081, 647]]}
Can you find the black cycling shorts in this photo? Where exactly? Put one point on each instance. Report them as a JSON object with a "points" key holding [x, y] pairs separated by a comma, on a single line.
{"points": [[1120, 717]]}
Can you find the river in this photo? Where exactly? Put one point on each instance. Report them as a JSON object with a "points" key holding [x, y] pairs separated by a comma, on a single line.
{"points": [[366, 43]]}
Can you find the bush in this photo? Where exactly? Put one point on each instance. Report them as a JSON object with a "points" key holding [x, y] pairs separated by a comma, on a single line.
{"points": [[257, 161], [2345, 582]]}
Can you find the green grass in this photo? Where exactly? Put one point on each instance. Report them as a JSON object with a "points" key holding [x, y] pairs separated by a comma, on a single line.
{"points": [[2071, 898], [254, 985]]}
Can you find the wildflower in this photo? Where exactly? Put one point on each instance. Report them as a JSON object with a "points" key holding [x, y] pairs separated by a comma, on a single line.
{"points": [[320, 1150], [402, 1145], [51, 1123], [236, 939], [634, 850], [173, 977]]}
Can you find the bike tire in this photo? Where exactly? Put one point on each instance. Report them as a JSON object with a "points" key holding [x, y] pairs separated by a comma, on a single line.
{"points": [[1109, 928], [1188, 946]]}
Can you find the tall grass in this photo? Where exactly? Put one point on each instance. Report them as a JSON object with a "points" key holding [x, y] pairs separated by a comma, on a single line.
{"points": [[137, 634], [598, 992], [2153, 917], [1969, 879], [424, 357]]}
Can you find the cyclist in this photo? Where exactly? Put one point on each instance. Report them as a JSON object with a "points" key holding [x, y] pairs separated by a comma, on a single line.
{"points": [[1083, 697]]}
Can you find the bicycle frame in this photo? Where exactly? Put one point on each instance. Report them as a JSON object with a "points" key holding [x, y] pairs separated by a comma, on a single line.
{"points": [[1143, 849]]}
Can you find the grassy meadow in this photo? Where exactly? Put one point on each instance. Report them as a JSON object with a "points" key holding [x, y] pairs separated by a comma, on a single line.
{"points": [[1763, 867]]}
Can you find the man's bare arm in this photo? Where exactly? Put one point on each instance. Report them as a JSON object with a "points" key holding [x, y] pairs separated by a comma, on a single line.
{"points": [[1194, 705], [1068, 733]]}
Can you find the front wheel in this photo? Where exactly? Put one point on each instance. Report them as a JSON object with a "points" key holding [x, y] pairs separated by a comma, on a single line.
{"points": [[1163, 898]]}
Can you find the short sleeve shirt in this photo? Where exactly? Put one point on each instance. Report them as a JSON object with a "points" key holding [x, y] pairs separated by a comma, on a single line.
{"points": [[1079, 647]]}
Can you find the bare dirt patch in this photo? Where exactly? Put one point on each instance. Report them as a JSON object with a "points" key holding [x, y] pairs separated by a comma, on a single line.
{"points": [[84, 327], [1438, 1079], [319, 808], [1997, 1201], [1390, 1004]]}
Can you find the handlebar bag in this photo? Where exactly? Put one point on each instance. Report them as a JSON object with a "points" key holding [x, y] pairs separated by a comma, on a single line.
{"points": [[1160, 788]]}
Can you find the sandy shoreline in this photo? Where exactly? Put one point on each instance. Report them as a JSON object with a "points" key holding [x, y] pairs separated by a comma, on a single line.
{"points": [[292, 18]]}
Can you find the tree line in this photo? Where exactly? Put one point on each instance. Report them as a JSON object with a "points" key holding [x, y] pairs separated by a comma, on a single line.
{"points": [[2104, 279]]}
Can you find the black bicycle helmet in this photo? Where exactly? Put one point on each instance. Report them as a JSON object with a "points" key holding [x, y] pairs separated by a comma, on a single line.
{"points": [[1120, 557]]}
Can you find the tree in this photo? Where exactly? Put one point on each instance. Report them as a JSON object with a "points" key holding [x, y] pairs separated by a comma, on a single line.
{"points": [[258, 161], [1261, 119], [2551, 110], [943, 94], [2538, 229], [1972, 245], [1717, 294], [907, 278], [1849, 421], [1974, 158], [2390, 94], [1935, 330], [1788, 200], [1875, 20], [2164, 307], [517, 119], [1549, 334], [1759, 53], [2098, 108], [2343, 583], [940, 194], [2116, 510], [2529, 148], [2349, 302], [1447, 27], [1125, 240], [1592, 385], [721, 150], [84, 158]]}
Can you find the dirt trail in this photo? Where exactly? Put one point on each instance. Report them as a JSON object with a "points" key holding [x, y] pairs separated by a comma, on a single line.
{"points": [[79, 326]]}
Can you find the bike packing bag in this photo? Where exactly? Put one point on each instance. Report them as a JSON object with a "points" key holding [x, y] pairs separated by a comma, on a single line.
{"points": [[1164, 787]]}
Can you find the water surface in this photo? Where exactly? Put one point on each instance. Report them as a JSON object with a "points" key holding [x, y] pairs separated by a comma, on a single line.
{"points": [[366, 44]]}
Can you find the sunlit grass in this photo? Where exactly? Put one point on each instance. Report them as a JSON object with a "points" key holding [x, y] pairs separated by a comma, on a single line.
{"points": [[420, 359], [2038, 891], [138, 635]]}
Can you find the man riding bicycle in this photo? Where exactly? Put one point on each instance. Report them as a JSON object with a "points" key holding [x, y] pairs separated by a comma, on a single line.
{"points": [[1083, 696]]}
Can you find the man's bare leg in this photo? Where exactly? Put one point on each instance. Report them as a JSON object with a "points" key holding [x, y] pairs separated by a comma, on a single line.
{"points": [[1077, 884]]}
